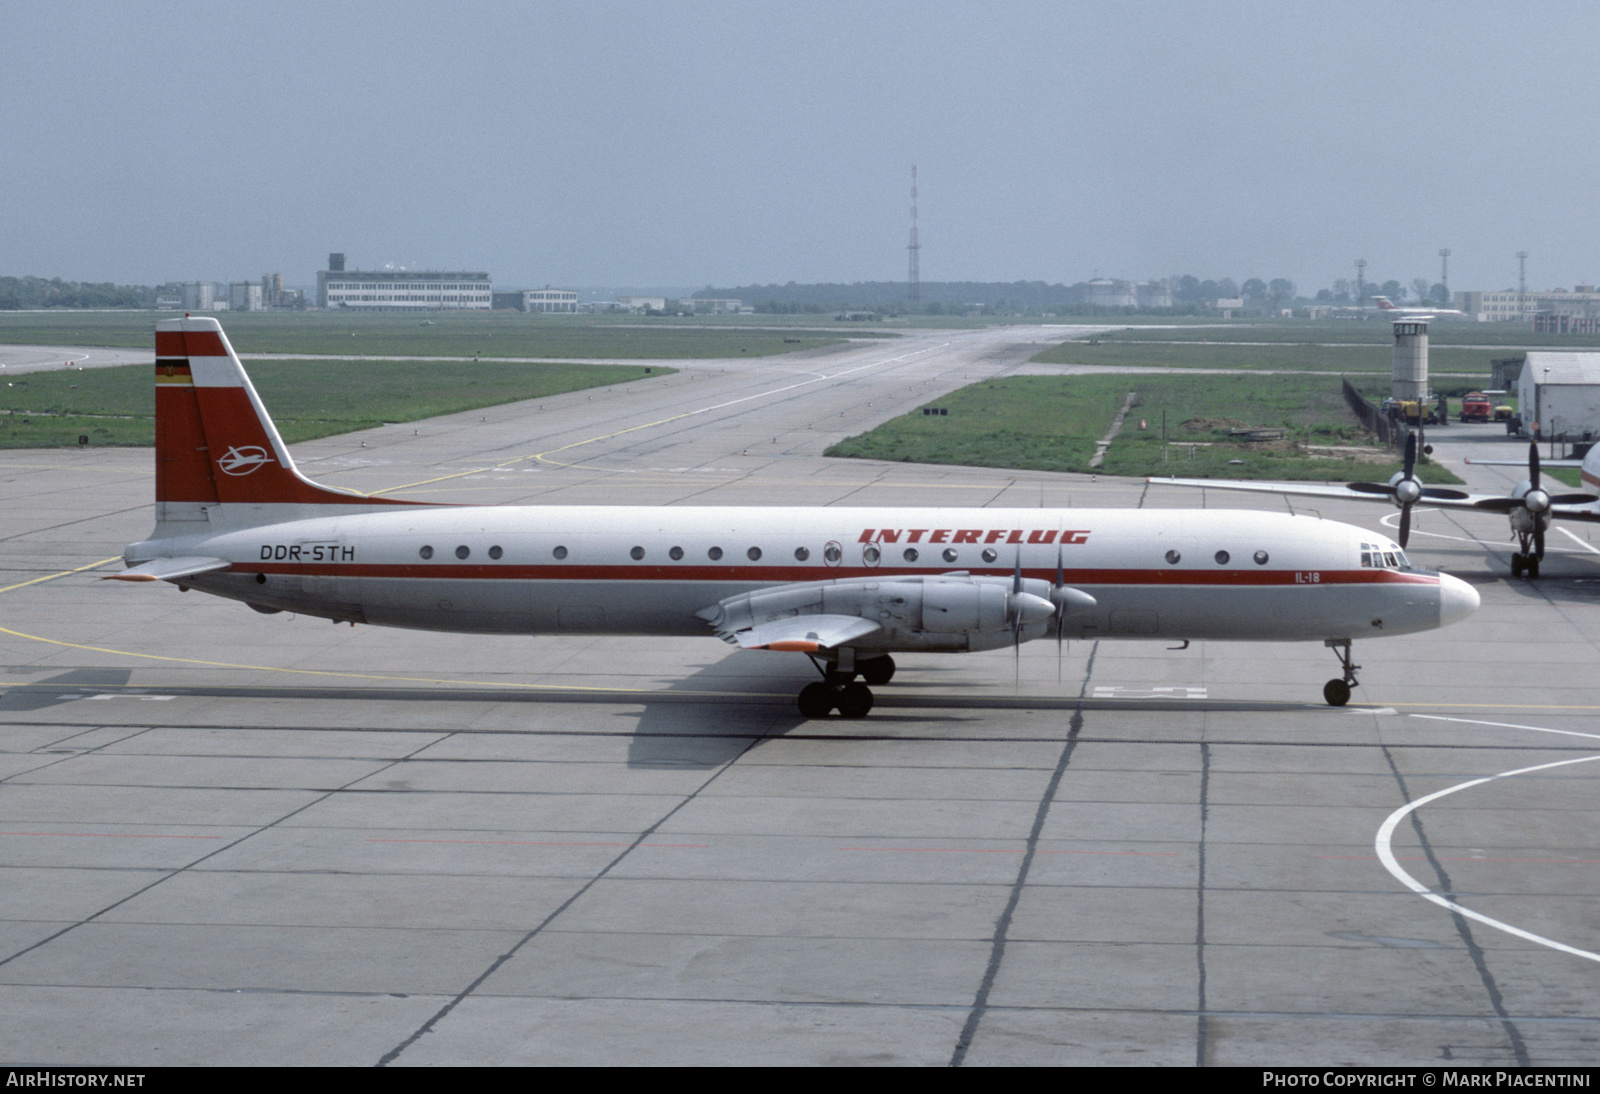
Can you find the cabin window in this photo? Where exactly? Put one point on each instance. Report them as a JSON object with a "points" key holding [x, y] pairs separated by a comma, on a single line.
{"points": [[675, 554], [753, 554], [1173, 558], [463, 551], [495, 552], [870, 555], [714, 554], [911, 554], [636, 554], [426, 552], [1222, 558], [560, 553], [1261, 558], [990, 554], [950, 554], [802, 553], [832, 552]]}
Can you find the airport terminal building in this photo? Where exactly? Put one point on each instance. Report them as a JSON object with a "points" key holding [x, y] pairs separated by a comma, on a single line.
{"points": [[401, 290], [1554, 312]]}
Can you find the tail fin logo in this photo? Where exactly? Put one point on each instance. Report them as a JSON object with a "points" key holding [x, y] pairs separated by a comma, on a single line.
{"points": [[242, 461]]}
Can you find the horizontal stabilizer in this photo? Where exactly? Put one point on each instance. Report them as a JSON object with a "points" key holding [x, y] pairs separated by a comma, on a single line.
{"points": [[805, 633], [170, 569]]}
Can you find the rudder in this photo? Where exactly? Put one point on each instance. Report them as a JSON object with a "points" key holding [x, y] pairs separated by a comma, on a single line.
{"points": [[215, 442]]}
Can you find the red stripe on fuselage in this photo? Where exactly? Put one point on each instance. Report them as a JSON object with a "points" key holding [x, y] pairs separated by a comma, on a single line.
{"points": [[797, 574]]}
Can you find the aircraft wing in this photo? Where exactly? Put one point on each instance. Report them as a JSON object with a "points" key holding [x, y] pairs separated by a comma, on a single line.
{"points": [[1522, 463], [1589, 512], [170, 569], [805, 633], [1439, 497], [1581, 507]]}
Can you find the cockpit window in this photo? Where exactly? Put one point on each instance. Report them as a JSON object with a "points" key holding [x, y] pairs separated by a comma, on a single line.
{"points": [[1384, 557]]}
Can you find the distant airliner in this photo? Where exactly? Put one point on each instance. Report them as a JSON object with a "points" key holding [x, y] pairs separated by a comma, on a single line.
{"points": [[1394, 311], [847, 587]]}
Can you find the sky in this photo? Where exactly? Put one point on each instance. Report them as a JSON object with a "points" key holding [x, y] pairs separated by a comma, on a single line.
{"points": [[710, 143]]}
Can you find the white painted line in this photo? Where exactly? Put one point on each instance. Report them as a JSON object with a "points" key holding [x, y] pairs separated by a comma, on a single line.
{"points": [[103, 696], [1115, 692], [1508, 725], [1585, 544], [1386, 854], [817, 379], [1392, 520]]}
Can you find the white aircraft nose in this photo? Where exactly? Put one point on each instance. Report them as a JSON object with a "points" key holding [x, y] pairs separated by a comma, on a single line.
{"points": [[1457, 599]]}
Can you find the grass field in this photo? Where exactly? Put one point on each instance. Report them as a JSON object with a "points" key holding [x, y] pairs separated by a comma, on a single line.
{"points": [[1271, 356], [440, 334], [1349, 331], [1051, 423], [307, 398]]}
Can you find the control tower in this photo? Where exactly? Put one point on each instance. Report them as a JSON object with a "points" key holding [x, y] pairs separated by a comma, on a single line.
{"points": [[1410, 378]]}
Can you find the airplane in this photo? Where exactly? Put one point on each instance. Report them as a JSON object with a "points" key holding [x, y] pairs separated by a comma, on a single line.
{"points": [[1390, 310], [1529, 507], [848, 587]]}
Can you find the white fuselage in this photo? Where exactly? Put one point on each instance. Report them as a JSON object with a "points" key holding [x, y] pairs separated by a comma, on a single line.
{"points": [[632, 570]]}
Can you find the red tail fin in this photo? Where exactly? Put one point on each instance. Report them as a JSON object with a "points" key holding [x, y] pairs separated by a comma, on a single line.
{"points": [[214, 439]]}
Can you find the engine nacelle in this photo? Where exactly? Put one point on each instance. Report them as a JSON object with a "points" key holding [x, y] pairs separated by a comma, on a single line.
{"points": [[904, 608]]}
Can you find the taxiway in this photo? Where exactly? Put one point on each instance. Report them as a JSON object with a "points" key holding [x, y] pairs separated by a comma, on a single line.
{"points": [[235, 839]]}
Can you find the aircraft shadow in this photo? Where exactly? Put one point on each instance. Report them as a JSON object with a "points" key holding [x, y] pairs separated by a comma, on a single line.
{"points": [[702, 720]]}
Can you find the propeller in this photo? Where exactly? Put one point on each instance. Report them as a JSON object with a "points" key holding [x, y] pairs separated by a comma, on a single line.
{"points": [[1016, 622], [1536, 500], [1406, 489], [1061, 611], [1066, 602]]}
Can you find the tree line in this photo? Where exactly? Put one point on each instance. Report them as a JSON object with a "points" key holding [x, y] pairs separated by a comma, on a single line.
{"points": [[17, 293], [1190, 295]]}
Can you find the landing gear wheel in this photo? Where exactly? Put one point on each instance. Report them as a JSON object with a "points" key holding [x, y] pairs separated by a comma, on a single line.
{"points": [[1337, 690], [1517, 565], [854, 701], [1533, 566], [816, 700], [876, 671]]}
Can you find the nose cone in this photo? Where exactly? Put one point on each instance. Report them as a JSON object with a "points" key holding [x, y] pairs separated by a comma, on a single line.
{"points": [[1457, 600]]}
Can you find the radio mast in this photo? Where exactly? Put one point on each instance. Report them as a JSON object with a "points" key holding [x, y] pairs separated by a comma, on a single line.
{"points": [[913, 277]]}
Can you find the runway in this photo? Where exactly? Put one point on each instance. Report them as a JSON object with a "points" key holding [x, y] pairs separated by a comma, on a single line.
{"points": [[227, 838]]}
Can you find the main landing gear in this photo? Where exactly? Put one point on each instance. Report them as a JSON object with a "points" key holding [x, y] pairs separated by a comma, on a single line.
{"points": [[839, 690], [1337, 692]]}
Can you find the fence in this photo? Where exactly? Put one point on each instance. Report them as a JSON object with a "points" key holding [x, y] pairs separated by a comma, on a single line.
{"points": [[1390, 432]]}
